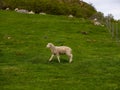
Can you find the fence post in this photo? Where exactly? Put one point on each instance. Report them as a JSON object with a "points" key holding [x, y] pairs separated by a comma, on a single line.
{"points": [[112, 30], [116, 32]]}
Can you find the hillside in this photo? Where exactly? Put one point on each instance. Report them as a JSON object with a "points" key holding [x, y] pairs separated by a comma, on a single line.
{"points": [[24, 57]]}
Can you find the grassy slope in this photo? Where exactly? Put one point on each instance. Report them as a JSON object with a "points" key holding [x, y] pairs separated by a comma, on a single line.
{"points": [[24, 58]]}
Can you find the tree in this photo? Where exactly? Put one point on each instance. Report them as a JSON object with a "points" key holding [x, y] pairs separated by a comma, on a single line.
{"points": [[110, 17]]}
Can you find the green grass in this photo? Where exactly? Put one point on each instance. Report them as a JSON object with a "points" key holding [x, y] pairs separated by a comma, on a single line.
{"points": [[24, 57]]}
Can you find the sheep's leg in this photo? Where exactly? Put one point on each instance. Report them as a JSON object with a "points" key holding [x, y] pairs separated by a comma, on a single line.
{"points": [[58, 57], [51, 57], [70, 58]]}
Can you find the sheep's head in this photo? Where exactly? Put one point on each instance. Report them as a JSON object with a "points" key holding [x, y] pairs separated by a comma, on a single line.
{"points": [[49, 45], [16, 9]]}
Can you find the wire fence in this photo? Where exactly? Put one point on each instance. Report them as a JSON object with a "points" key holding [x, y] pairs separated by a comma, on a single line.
{"points": [[114, 29]]}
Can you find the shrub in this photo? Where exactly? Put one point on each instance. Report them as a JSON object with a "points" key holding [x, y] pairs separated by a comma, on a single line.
{"points": [[57, 7]]}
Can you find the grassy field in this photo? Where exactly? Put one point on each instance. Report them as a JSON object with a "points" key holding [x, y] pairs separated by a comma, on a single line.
{"points": [[24, 57]]}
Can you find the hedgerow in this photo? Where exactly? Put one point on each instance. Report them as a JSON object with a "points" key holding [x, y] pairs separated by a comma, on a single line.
{"points": [[57, 7]]}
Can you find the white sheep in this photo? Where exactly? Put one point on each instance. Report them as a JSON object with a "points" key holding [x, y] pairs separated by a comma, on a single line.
{"points": [[97, 23], [7, 9], [58, 50], [42, 13], [31, 12], [21, 10], [70, 16]]}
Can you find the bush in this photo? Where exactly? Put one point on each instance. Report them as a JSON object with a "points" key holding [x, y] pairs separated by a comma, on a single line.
{"points": [[57, 7]]}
